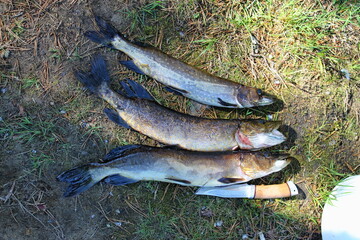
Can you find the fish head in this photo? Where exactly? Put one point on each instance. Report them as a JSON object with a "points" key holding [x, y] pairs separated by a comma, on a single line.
{"points": [[260, 164], [257, 134], [252, 97]]}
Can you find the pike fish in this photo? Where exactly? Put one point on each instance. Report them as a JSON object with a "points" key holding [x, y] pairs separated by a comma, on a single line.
{"points": [[132, 163], [179, 77], [136, 109]]}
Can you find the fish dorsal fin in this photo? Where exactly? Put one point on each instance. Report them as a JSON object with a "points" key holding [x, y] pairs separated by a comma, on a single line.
{"points": [[119, 151], [133, 89]]}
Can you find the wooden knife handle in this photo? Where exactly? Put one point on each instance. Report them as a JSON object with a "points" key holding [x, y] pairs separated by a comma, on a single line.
{"points": [[276, 190]]}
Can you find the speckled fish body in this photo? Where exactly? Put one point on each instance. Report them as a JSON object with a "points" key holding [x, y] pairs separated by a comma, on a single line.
{"points": [[174, 128], [180, 77], [132, 163]]}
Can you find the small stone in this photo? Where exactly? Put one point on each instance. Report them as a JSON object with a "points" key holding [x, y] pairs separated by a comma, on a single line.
{"points": [[92, 216], [218, 223], [106, 141], [5, 54], [41, 207], [108, 225], [118, 224], [269, 117], [277, 82], [261, 236], [84, 153], [52, 103], [345, 73], [33, 151], [206, 212], [28, 232], [62, 111], [84, 124], [327, 92], [117, 211], [3, 90], [245, 236], [1, 119]]}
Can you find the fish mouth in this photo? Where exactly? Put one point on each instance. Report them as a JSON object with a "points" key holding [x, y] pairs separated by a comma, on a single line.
{"points": [[280, 162], [259, 140], [277, 164], [265, 100], [261, 101]]}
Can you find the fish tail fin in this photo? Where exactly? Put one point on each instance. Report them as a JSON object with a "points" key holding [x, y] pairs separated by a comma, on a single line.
{"points": [[98, 76], [79, 178], [106, 34]]}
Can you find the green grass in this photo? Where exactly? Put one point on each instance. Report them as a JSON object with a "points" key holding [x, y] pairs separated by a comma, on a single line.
{"points": [[17, 30], [30, 82], [27, 129], [306, 38], [55, 53], [36, 134], [141, 14], [41, 161]]}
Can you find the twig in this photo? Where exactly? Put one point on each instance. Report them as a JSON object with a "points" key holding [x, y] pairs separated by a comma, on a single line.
{"points": [[9, 193], [135, 209], [27, 211]]}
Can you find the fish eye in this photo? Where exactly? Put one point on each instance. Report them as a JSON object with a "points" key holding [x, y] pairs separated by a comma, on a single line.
{"points": [[259, 92]]}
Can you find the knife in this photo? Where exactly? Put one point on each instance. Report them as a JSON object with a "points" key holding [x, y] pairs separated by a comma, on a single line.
{"points": [[282, 190]]}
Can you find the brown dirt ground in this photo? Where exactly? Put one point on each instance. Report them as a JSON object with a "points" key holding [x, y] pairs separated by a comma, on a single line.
{"points": [[36, 208]]}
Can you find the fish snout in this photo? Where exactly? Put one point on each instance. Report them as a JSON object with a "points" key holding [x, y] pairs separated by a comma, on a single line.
{"points": [[258, 140], [263, 164]]}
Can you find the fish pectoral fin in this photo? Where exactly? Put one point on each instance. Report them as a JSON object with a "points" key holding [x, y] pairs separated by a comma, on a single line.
{"points": [[135, 90], [226, 104], [176, 147], [119, 151], [181, 181], [118, 180], [231, 180], [131, 65], [115, 117], [176, 91]]}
